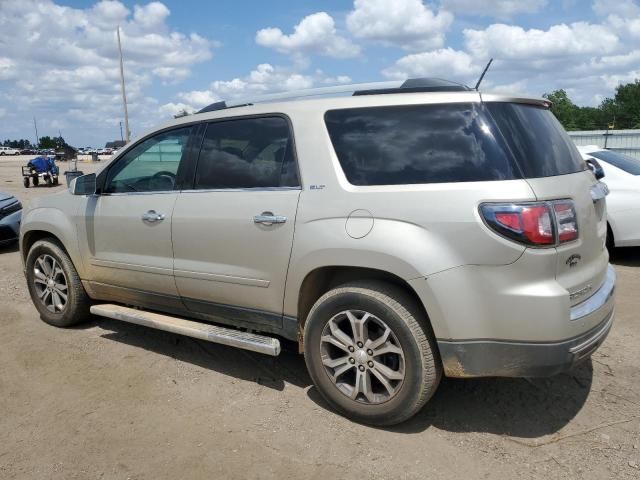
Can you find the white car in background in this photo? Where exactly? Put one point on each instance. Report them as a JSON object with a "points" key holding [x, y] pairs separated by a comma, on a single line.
{"points": [[622, 175], [9, 151]]}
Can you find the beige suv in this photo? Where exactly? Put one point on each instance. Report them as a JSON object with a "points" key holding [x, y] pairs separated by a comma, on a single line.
{"points": [[397, 234]]}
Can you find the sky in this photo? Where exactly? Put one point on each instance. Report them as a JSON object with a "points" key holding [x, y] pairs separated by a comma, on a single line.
{"points": [[59, 59]]}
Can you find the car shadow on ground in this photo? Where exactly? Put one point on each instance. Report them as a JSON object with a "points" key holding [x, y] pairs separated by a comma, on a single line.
{"points": [[271, 372], [628, 257], [527, 408]]}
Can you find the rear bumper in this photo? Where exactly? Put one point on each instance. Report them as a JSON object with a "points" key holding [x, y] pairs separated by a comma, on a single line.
{"points": [[500, 358]]}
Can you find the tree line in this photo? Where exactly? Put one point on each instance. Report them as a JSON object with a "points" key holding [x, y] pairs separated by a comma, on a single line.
{"points": [[45, 142], [621, 111]]}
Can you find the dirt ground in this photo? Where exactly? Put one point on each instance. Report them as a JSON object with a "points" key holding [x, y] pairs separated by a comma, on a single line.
{"points": [[111, 400]]}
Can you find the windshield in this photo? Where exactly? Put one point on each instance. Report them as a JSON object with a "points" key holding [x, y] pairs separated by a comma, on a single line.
{"points": [[623, 162]]}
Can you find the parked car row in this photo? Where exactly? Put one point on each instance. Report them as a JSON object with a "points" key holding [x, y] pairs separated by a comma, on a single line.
{"points": [[99, 151], [26, 151]]}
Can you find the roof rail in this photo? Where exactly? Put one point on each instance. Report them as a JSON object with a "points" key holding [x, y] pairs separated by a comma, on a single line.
{"points": [[412, 85]]}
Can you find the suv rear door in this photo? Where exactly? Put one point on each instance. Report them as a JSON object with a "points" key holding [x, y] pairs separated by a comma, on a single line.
{"points": [[233, 230]]}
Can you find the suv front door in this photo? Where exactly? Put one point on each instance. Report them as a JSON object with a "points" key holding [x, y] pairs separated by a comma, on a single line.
{"points": [[127, 227], [233, 232]]}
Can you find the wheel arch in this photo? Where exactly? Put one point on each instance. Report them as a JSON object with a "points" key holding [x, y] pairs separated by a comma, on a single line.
{"points": [[322, 279], [42, 223]]}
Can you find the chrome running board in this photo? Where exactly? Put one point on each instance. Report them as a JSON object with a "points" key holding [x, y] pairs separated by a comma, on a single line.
{"points": [[202, 331]]}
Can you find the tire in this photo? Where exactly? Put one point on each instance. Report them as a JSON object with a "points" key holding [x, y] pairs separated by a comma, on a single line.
{"points": [[418, 363], [36, 181], [76, 307], [55, 181], [25, 181], [48, 181], [611, 244]]}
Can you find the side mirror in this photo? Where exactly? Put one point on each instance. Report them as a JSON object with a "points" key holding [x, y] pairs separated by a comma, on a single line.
{"points": [[84, 185], [595, 168]]}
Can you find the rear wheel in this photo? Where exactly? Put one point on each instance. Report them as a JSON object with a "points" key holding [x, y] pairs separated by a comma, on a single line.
{"points": [[611, 244], [48, 180], [36, 181], [54, 285], [370, 353], [25, 181]]}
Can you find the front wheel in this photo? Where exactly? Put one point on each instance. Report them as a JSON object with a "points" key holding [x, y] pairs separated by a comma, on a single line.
{"points": [[54, 285], [370, 353]]}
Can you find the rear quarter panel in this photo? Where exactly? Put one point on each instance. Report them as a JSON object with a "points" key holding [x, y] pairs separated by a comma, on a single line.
{"points": [[415, 230]]}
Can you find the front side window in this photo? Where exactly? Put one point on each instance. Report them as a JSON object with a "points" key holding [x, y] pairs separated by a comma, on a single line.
{"points": [[418, 144], [247, 153], [150, 166]]}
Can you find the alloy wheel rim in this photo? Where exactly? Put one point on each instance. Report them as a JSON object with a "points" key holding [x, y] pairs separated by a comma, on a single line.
{"points": [[50, 283], [362, 356]]}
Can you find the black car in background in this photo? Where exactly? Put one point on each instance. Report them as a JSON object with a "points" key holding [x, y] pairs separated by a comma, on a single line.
{"points": [[10, 217]]}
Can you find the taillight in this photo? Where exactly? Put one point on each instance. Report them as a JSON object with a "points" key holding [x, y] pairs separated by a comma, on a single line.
{"points": [[540, 224], [566, 221]]}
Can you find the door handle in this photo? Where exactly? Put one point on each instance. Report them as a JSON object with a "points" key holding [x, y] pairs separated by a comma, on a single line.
{"points": [[152, 216], [268, 218]]}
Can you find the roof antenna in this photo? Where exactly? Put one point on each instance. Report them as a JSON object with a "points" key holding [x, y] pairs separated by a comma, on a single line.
{"points": [[483, 73]]}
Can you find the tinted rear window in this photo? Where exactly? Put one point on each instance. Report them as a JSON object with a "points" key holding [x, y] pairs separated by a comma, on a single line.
{"points": [[536, 139], [418, 144], [623, 162]]}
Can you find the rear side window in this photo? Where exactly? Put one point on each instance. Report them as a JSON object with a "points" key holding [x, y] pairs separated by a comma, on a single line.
{"points": [[536, 139], [623, 162], [247, 153], [417, 144]]}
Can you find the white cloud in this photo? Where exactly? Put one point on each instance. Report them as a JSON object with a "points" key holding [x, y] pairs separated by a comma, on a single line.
{"points": [[62, 60], [509, 42], [316, 33], [172, 109], [404, 23], [494, 8], [264, 79], [171, 75], [626, 8], [7, 69], [446, 62], [198, 98]]}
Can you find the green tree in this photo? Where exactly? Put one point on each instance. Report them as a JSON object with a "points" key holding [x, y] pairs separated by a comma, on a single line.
{"points": [[564, 109], [52, 142], [627, 103]]}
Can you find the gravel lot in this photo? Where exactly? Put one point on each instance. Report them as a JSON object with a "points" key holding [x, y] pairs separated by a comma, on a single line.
{"points": [[112, 400]]}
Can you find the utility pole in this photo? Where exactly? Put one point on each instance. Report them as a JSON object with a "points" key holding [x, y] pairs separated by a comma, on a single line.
{"points": [[35, 126], [124, 94]]}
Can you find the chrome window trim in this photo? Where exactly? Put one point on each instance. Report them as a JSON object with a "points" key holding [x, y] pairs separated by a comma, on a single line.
{"points": [[598, 299], [121, 194], [249, 189]]}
